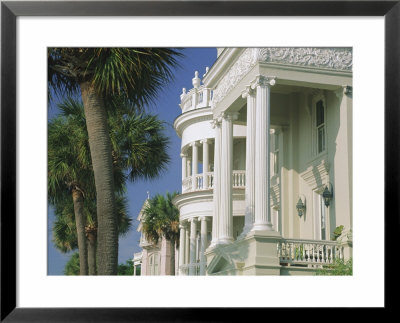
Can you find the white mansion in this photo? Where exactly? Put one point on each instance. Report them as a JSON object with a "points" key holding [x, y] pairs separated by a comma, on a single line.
{"points": [[266, 163]]}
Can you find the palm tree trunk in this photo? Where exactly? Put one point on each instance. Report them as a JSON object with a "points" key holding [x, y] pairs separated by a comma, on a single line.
{"points": [[100, 150], [77, 198], [92, 252]]}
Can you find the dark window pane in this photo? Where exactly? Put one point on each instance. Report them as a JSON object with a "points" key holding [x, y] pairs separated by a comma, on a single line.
{"points": [[320, 113], [321, 139]]}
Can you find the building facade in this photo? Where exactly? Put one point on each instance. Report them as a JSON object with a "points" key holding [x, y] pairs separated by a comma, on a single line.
{"points": [[266, 148], [155, 258]]}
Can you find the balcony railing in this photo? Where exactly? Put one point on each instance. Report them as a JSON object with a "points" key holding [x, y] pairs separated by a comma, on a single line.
{"points": [[238, 181], [196, 98], [310, 253]]}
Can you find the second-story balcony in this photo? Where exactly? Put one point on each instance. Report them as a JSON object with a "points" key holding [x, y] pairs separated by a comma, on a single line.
{"points": [[196, 98], [205, 181]]}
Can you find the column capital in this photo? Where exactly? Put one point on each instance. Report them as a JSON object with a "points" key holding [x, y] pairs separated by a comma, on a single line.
{"points": [[194, 143], [263, 81], [216, 123], [184, 155], [230, 116], [203, 218], [247, 91], [348, 90], [205, 141]]}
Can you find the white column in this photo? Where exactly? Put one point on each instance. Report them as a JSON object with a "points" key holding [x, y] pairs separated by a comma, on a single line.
{"points": [[184, 164], [203, 244], [193, 230], [216, 124], [195, 162], [184, 170], [181, 247], [225, 224], [187, 242], [250, 159], [262, 218], [205, 163]]}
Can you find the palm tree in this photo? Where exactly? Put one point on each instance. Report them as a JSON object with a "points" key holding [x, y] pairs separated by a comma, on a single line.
{"points": [[99, 74], [72, 267], [161, 219], [64, 228], [70, 174], [139, 149]]}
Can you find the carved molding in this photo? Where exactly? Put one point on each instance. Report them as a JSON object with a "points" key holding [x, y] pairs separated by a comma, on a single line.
{"points": [[339, 59], [317, 174], [239, 69]]}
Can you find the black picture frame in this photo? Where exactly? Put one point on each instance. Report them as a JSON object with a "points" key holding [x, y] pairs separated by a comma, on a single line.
{"points": [[10, 10]]}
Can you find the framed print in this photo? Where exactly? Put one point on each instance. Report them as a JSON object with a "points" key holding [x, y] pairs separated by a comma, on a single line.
{"points": [[370, 29]]}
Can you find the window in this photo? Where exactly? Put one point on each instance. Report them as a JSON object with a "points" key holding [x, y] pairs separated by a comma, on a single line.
{"points": [[320, 218], [320, 126], [154, 264]]}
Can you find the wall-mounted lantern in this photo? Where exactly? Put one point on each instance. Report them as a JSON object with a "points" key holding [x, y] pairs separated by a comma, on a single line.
{"points": [[301, 206], [327, 194]]}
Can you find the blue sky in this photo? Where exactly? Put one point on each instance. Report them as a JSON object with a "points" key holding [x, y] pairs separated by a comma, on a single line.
{"points": [[167, 108]]}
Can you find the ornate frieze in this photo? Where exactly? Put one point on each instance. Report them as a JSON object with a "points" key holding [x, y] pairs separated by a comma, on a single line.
{"points": [[339, 58], [239, 69]]}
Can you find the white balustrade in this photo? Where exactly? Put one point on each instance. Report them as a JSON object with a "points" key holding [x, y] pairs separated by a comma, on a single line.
{"points": [[239, 181], [199, 182], [312, 253], [239, 178], [201, 96], [187, 184]]}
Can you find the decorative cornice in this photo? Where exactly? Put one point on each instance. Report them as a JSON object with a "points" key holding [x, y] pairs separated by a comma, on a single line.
{"points": [[337, 59], [239, 69]]}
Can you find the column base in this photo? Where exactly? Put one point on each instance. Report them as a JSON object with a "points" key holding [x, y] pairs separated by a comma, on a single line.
{"points": [[262, 227], [225, 241]]}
